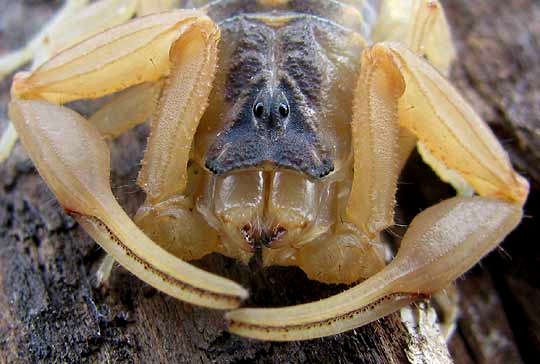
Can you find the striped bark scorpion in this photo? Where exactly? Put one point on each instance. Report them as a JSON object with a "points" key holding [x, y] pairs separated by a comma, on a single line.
{"points": [[278, 127]]}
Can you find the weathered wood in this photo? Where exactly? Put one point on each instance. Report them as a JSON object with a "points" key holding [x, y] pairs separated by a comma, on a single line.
{"points": [[51, 312]]}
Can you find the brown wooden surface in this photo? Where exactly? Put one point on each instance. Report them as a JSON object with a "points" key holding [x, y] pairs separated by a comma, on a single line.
{"points": [[50, 311]]}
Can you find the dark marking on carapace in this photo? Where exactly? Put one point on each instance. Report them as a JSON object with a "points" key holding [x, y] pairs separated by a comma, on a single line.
{"points": [[272, 70], [282, 65], [252, 141]]}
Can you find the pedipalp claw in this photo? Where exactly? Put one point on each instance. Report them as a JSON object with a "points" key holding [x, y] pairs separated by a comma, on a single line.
{"points": [[72, 157]]}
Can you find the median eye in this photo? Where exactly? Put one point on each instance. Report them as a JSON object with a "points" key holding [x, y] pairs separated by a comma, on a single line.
{"points": [[258, 109], [283, 110]]}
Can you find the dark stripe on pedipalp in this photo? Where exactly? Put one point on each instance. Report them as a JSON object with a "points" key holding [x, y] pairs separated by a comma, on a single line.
{"points": [[326, 322], [148, 267]]}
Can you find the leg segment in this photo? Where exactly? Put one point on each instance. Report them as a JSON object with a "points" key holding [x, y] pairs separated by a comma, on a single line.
{"points": [[419, 24], [77, 21], [451, 131], [127, 55], [182, 104], [104, 271], [127, 110], [7, 142], [442, 242], [375, 135], [146, 7], [14, 60]]}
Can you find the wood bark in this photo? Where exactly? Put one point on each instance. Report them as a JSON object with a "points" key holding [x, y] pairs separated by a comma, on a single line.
{"points": [[51, 311]]}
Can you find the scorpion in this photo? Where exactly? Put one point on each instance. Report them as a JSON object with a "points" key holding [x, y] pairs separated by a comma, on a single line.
{"points": [[277, 127]]}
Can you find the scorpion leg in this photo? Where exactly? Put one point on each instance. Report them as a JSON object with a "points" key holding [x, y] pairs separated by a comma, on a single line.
{"points": [[77, 20], [74, 22], [168, 216], [11, 61], [127, 110], [419, 24], [72, 157], [375, 135], [182, 104], [7, 141], [123, 56], [450, 129], [422, 26], [442, 242]]}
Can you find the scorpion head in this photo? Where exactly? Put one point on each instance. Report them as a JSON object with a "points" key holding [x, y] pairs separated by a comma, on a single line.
{"points": [[271, 128]]}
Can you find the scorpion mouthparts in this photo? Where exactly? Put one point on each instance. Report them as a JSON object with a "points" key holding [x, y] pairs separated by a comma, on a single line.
{"points": [[258, 238]]}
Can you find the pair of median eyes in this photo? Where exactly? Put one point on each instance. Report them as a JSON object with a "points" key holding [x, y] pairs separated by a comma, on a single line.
{"points": [[258, 109]]}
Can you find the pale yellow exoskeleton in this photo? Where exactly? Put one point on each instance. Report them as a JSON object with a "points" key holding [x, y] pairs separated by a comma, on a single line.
{"points": [[279, 127]]}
